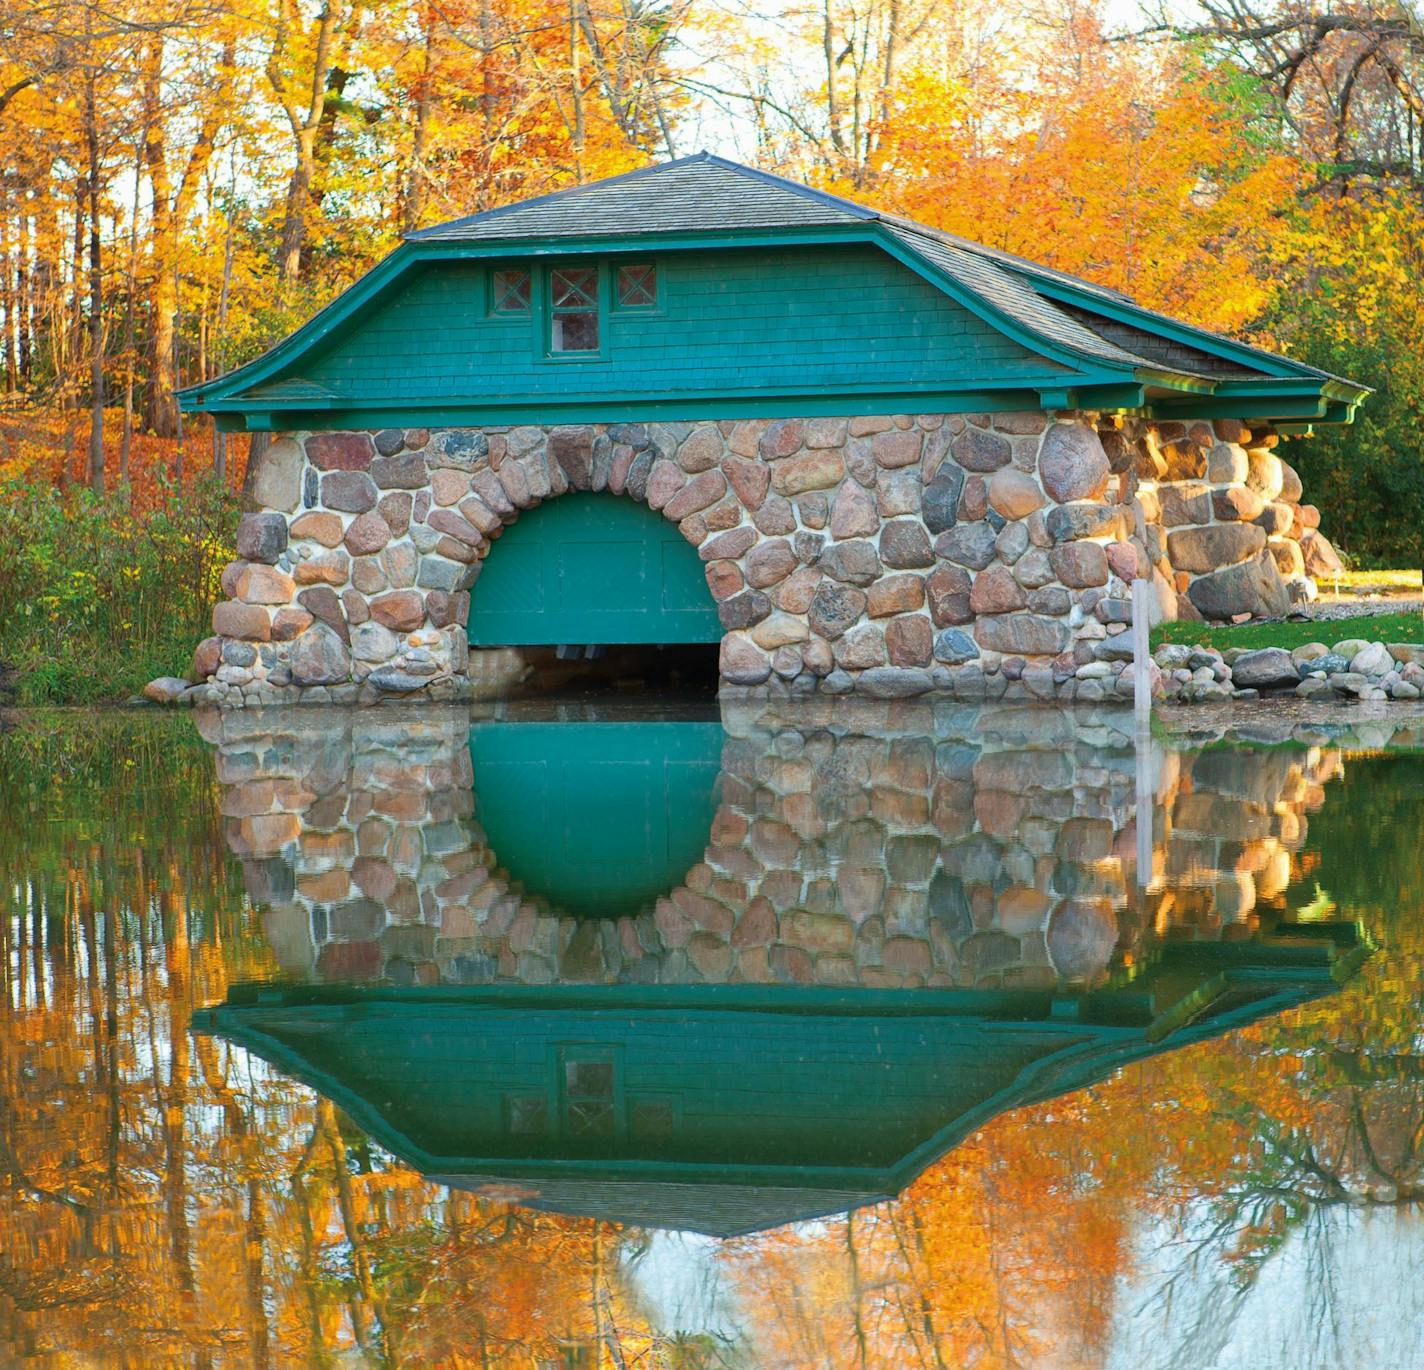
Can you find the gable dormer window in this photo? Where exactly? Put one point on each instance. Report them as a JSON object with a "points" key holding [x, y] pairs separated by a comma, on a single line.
{"points": [[638, 286], [573, 310], [512, 290]]}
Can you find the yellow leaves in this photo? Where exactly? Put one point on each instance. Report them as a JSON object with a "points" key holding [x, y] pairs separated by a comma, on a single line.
{"points": [[1125, 165]]}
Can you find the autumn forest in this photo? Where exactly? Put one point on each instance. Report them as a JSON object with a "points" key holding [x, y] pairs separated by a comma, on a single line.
{"points": [[183, 183]]}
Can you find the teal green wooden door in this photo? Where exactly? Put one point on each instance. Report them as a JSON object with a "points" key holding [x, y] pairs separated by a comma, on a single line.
{"points": [[591, 569], [597, 818]]}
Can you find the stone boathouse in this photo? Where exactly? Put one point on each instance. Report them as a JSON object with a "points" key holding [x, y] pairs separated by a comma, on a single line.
{"points": [[860, 454]]}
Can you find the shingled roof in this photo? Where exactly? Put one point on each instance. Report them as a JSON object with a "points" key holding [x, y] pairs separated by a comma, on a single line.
{"points": [[1108, 351], [707, 193]]}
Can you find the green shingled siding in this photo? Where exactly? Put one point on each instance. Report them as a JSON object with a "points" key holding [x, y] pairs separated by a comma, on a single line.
{"points": [[806, 318], [840, 1091]]}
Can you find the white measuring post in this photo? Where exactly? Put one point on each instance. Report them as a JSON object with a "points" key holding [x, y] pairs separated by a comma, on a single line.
{"points": [[1141, 656]]}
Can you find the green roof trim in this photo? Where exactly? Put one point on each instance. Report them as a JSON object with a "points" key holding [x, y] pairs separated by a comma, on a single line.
{"points": [[1086, 336]]}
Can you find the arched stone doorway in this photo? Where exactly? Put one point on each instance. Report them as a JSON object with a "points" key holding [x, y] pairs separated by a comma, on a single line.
{"points": [[592, 568]]}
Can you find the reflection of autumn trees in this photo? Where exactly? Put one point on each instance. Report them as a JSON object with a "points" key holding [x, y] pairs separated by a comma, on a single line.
{"points": [[1015, 1248], [166, 1199], [163, 1199]]}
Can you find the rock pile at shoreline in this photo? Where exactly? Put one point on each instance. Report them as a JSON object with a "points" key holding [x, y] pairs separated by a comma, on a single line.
{"points": [[1354, 668]]}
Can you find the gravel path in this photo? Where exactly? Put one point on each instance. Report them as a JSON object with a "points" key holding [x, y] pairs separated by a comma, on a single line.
{"points": [[1338, 609]]}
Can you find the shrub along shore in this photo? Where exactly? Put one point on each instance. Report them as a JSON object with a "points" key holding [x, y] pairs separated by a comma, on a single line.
{"points": [[97, 596]]}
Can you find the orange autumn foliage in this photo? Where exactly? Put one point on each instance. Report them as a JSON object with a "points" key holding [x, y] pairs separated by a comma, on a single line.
{"points": [[1135, 168]]}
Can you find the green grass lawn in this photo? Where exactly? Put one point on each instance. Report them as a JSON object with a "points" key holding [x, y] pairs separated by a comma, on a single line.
{"points": [[1407, 627]]}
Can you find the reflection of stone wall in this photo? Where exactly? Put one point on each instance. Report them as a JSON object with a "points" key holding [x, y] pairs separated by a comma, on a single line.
{"points": [[892, 555], [849, 847]]}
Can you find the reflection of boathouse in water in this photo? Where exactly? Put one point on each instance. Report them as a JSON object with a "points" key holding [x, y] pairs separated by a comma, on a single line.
{"points": [[819, 959]]}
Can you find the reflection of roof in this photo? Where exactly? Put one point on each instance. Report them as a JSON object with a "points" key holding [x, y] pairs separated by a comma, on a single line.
{"points": [[1092, 334], [730, 1108]]}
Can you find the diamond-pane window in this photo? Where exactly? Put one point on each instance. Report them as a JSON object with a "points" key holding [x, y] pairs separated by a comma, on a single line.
{"points": [[652, 1118], [637, 286], [575, 288], [590, 1118], [511, 292], [573, 309]]}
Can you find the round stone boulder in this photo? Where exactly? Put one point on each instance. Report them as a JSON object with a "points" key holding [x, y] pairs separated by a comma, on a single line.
{"points": [[742, 662], [1216, 545], [166, 689], [1268, 668], [1072, 463], [319, 657], [1014, 493], [261, 537], [1253, 587]]}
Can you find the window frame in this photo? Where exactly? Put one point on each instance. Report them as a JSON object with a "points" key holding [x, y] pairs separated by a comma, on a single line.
{"points": [[600, 310], [495, 311], [617, 270], [568, 1054]]}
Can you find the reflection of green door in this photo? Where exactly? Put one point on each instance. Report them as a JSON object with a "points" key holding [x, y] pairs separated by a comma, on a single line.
{"points": [[592, 569], [597, 818]]}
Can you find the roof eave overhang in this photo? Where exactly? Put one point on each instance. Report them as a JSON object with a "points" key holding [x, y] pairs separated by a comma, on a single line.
{"points": [[1272, 365], [1294, 400]]}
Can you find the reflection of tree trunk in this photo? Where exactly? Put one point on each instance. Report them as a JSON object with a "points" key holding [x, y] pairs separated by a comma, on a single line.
{"points": [[175, 1174], [857, 1292], [346, 1201], [258, 1333], [317, 1353], [918, 1267]]}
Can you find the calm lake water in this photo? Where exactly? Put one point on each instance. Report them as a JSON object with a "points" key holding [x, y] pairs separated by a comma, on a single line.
{"points": [[579, 1036]]}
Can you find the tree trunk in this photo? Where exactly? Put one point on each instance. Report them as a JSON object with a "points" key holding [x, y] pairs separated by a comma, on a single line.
{"points": [[7, 293], [576, 87], [170, 209], [96, 297], [304, 124], [75, 346], [126, 437], [424, 98], [257, 445], [224, 294], [177, 414], [24, 295]]}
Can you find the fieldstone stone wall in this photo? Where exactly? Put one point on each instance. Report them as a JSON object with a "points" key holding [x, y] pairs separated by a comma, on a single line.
{"points": [[988, 555], [855, 843], [1231, 531]]}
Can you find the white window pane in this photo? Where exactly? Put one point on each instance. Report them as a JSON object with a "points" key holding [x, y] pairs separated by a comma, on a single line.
{"points": [[575, 332]]}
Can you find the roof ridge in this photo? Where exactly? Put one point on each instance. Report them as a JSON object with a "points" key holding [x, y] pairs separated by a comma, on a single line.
{"points": [[498, 211], [750, 173], [772, 178]]}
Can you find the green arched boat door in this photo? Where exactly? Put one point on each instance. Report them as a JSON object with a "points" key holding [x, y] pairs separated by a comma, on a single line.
{"points": [[591, 569]]}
